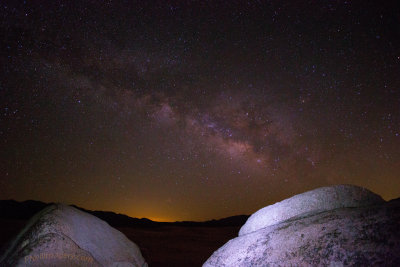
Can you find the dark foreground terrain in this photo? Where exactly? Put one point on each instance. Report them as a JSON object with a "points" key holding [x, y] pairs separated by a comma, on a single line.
{"points": [[179, 245], [161, 244]]}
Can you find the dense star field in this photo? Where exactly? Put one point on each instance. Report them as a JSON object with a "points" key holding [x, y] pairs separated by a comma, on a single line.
{"points": [[193, 110]]}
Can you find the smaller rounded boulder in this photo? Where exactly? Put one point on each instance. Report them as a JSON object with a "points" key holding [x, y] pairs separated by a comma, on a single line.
{"points": [[62, 235]]}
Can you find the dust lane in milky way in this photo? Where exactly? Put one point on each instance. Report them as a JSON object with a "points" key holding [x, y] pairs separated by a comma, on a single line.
{"points": [[200, 110]]}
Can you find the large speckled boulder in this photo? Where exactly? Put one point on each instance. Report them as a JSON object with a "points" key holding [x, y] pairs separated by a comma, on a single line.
{"points": [[358, 236], [61, 235], [314, 201]]}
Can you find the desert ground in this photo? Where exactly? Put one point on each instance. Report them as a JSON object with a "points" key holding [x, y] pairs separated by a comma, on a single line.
{"points": [[179, 245]]}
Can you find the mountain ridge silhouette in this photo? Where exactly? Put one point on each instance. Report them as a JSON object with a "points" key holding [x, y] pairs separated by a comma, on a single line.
{"points": [[24, 210]]}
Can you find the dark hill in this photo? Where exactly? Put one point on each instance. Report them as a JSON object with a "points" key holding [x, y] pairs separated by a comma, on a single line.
{"points": [[11, 209]]}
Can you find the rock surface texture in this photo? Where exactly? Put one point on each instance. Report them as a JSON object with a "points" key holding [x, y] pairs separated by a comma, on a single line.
{"points": [[61, 235], [357, 229], [314, 201]]}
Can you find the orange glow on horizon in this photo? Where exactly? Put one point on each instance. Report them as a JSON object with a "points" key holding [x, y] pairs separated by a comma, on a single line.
{"points": [[160, 219]]}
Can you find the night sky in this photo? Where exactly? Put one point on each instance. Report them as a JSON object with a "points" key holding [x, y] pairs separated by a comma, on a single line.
{"points": [[193, 110]]}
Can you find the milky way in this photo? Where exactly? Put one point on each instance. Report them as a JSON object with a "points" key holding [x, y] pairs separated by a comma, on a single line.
{"points": [[200, 110]]}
